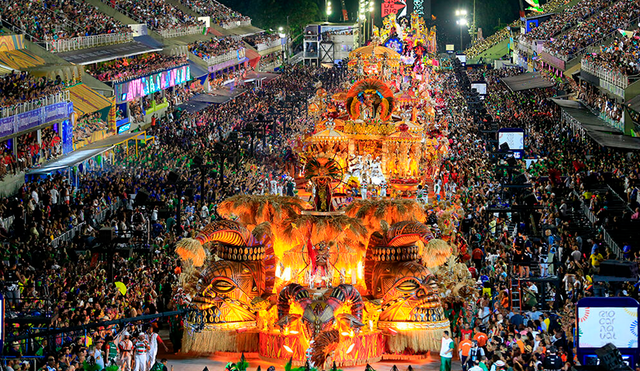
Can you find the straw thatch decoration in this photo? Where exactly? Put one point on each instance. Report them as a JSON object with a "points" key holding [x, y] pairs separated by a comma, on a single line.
{"points": [[189, 249], [420, 340], [252, 210], [372, 212], [340, 228], [209, 341], [435, 253]]}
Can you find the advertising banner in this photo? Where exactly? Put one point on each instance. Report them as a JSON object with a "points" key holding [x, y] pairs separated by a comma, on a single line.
{"points": [[56, 111], [7, 126], [28, 120]]}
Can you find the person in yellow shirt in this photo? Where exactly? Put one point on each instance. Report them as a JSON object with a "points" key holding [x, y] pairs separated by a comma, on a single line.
{"points": [[596, 258]]}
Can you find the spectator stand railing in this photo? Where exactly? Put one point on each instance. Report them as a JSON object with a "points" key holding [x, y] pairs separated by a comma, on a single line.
{"points": [[593, 220], [85, 42], [23, 107], [33, 361], [235, 24], [230, 55], [182, 31], [268, 45], [98, 218]]}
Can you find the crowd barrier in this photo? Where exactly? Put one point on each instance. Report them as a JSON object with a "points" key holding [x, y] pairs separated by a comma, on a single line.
{"points": [[182, 31], [268, 45], [605, 74], [593, 219], [31, 105], [234, 24], [99, 218], [228, 56], [85, 42]]}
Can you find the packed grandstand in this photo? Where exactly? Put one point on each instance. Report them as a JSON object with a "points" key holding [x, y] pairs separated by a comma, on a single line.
{"points": [[120, 145]]}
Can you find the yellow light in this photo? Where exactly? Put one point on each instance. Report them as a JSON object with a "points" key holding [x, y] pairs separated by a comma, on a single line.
{"points": [[360, 270], [285, 331], [278, 272], [371, 325], [286, 275], [344, 333], [294, 332], [350, 348], [286, 347]]}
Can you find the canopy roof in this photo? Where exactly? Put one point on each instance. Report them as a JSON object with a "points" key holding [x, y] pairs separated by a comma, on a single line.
{"points": [[376, 50]]}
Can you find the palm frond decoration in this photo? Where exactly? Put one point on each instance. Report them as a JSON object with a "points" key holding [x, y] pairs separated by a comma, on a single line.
{"points": [[252, 210], [336, 228], [322, 167], [373, 212], [435, 253], [189, 249]]}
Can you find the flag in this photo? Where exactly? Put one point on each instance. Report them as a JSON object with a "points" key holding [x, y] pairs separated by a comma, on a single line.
{"points": [[204, 30], [625, 33]]}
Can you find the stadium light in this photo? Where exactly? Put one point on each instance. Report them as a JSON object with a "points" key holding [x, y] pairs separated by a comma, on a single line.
{"points": [[462, 22], [371, 6]]}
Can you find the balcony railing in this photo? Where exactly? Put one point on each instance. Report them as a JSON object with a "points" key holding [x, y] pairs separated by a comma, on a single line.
{"points": [[23, 107], [85, 42], [230, 55], [268, 45], [182, 31], [235, 24], [605, 74]]}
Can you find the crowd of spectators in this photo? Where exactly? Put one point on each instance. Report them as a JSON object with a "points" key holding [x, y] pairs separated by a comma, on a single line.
{"points": [[220, 14], [59, 277], [621, 57], [559, 242], [214, 47], [21, 87], [64, 19], [132, 67], [87, 125], [157, 14], [600, 102], [565, 20], [621, 15]]}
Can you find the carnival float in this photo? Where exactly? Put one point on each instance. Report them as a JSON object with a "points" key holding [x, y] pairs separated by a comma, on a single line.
{"points": [[343, 275]]}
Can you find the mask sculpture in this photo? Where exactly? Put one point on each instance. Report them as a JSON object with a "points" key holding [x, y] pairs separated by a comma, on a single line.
{"points": [[407, 289], [226, 293]]}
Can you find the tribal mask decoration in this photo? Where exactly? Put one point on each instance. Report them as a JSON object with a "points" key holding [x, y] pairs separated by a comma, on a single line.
{"points": [[226, 290], [394, 274]]}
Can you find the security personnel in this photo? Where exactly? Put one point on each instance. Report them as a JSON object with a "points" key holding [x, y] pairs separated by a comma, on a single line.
{"points": [[552, 361]]}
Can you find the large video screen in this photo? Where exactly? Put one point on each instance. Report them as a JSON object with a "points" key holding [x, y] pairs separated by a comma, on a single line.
{"points": [[598, 326], [143, 86], [515, 139]]}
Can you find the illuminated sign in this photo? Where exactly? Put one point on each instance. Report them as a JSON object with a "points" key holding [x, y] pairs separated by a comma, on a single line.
{"points": [[143, 86], [401, 8], [123, 128]]}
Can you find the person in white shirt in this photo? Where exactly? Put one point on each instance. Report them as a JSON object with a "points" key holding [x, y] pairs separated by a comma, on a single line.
{"points": [[54, 196], [446, 352], [204, 212], [96, 353], [153, 339]]}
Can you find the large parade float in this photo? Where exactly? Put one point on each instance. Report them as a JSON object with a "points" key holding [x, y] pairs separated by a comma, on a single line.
{"points": [[345, 274]]}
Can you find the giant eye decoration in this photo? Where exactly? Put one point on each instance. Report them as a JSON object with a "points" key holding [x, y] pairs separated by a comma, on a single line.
{"points": [[222, 286], [408, 285]]}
